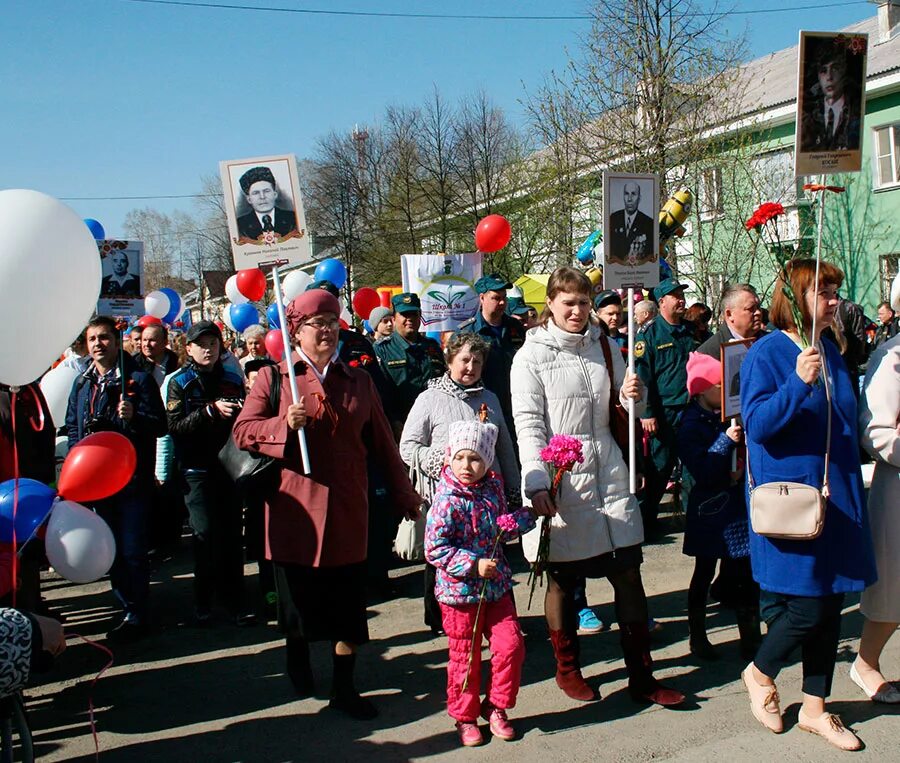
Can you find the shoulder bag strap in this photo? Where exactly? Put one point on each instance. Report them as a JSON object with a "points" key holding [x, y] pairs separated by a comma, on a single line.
{"points": [[607, 358], [275, 391]]}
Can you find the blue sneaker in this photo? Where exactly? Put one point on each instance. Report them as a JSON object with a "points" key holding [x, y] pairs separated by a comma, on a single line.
{"points": [[588, 622]]}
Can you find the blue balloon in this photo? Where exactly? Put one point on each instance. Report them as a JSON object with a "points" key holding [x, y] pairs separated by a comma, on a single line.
{"points": [[175, 308], [331, 270], [665, 270], [585, 253], [436, 335], [34, 505], [272, 315], [243, 317], [95, 228], [367, 326]]}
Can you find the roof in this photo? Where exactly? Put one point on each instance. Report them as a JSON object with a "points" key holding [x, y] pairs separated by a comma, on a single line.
{"points": [[772, 80]]}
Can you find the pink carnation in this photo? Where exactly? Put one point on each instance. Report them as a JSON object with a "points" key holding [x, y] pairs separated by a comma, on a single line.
{"points": [[563, 452], [507, 523]]}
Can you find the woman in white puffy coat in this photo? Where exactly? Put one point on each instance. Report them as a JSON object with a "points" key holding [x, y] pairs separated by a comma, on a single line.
{"points": [[561, 385]]}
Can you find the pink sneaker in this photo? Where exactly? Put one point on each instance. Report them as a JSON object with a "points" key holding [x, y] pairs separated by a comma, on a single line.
{"points": [[499, 724], [469, 734]]}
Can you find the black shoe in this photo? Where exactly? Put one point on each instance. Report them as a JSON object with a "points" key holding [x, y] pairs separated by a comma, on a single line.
{"points": [[244, 619], [703, 649], [127, 632], [354, 705], [202, 618]]}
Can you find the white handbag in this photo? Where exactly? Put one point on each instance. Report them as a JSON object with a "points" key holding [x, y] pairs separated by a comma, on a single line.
{"points": [[791, 510], [409, 542]]}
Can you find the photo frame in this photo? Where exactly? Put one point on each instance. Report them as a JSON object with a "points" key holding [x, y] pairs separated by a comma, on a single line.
{"points": [[122, 278], [731, 355], [630, 230], [264, 211], [831, 98]]}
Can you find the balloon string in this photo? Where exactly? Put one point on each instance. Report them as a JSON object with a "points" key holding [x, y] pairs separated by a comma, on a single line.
{"points": [[39, 427], [106, 667], [14, 567]]}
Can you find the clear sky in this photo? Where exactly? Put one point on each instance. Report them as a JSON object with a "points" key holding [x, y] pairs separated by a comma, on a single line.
{"points": [[113, 98]]}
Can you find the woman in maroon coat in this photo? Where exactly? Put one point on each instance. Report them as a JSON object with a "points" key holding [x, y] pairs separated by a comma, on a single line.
{"points": [[317, 525]]}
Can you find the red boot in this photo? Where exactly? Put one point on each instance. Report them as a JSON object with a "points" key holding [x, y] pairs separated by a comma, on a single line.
{"points": [[568, 669], [642, 686]]}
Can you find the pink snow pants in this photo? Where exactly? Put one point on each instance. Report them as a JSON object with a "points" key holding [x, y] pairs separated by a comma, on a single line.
{"points": [[499, 623]]}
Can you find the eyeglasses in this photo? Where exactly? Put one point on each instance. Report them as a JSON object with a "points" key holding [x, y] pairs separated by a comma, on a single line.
{"points": [[323, 325]]}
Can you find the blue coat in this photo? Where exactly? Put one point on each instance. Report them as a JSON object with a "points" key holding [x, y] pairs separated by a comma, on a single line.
{"points": [[785, 425]]}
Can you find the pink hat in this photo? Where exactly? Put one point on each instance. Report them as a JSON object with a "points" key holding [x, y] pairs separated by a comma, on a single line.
{"points": [[308, 304], [703, 372]]}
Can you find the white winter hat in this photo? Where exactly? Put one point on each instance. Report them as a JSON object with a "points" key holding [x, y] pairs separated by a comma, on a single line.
{"points": [[895, 294], [473, 435]]}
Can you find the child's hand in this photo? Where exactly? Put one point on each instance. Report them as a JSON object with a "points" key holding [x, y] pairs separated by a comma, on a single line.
{"points": [[735, 432], [487, 568]]}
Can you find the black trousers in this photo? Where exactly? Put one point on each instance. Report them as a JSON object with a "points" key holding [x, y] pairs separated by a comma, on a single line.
{"points": [[812, 623], [658, 467], [214, 508]]}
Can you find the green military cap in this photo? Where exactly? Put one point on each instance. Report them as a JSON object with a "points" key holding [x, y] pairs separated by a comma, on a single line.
{"points": [[491, 282], [407, 302], [608, 297], [667, 287], [517, 306]]}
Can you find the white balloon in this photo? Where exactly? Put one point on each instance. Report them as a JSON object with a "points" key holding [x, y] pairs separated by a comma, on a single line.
{"points": [[62, 450], [80, 546], [56, 386], [226, 317], [346, 317], [157, 304], [49, 281], [232, 292], [294, 284]]}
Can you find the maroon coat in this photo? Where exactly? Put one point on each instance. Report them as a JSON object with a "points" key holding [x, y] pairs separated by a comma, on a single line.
{"points": [[322, 520]]}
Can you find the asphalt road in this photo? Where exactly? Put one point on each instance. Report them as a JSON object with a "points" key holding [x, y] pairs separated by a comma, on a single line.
{"points": [[220, 694]]}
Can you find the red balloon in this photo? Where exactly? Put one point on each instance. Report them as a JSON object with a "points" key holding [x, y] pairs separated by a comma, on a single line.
{"points": [[97, 467], [147, 320], [492, 233], [275, 345], [251, 283], [365, 301]]}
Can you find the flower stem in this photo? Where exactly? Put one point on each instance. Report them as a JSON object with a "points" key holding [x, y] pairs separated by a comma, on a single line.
{"points": [[476, 632]]}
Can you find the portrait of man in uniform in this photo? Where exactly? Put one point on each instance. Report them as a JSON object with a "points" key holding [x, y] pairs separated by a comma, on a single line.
{"points": [[259, 191], [630, 228], [118, 280]]}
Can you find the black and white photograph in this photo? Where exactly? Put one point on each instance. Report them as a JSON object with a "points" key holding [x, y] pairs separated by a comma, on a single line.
{"points": [[121, 285], [630, 230], [732, 355], [266, 221], [830, 102]]}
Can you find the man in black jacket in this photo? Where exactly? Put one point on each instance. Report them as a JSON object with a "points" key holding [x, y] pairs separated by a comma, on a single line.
{"points": [[114, 395], [741, 319], [202, 402], [154, 356]]}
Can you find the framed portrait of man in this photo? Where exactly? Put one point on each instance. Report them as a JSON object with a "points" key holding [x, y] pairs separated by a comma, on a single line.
{"points": [[732, 355], [630, 230], [121, 284], [264, 209], [831, 85]]}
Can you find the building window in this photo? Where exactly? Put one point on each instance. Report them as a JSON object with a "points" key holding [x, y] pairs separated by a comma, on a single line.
{"points": [[711, 202], [887, 155], [888, 266]]}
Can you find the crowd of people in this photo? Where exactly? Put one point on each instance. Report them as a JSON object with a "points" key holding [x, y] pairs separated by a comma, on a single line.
{"points": [[450, 435]]}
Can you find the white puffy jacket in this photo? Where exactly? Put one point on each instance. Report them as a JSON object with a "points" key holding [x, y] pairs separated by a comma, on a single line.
{"points": [[560, 385]]}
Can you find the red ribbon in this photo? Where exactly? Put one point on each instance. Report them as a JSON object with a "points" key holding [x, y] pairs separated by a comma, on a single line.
{"points": [[106, 667], [814, 187]]}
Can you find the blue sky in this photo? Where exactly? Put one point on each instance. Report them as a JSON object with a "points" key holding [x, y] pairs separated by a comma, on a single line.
{"points": [[109, 98]]}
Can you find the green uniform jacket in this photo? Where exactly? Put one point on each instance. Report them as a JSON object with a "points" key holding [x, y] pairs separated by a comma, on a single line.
{"points": [[409, 367], [660, 359]]}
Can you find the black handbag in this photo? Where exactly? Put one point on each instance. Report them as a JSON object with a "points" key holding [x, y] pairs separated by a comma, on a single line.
{"points": [[247, 469]]}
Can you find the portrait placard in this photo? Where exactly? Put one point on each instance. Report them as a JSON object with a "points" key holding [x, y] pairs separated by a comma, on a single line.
{"points": [[445, 284], [732, 355], [630, 230], [831, 92], [122, 284], [264, 209]]}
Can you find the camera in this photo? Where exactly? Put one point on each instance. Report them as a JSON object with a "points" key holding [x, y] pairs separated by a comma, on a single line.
{"points": [[234, 400], [98, 424]]}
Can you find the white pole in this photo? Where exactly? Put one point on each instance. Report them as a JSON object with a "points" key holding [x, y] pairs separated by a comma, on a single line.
{"points": [[822, 194], [286, 340], [632, 472]]}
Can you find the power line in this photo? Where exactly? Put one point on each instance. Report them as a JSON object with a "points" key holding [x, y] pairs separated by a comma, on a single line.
{"points": [[465, 16], [140, 198]]}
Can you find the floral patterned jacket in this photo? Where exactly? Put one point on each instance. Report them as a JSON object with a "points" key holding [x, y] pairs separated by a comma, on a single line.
{"points": [[461, 529]]}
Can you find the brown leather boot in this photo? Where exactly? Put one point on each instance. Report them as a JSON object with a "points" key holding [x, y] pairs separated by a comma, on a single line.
{"points": [[568, 668]]}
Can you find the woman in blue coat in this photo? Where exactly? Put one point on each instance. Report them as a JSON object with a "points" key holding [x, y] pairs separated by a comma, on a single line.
{"points": [[803, 582]]}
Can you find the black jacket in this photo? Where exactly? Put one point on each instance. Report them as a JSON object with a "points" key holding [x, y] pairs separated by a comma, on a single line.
{"points": [[283, 222], [198, 431], [170, 362]]}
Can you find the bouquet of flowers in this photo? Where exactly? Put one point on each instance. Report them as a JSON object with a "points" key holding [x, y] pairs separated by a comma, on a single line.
{"points": [[506, 524], [764, 219], [561, 455]]}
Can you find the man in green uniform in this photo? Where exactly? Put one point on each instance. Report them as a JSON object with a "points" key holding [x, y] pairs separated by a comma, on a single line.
{"points": [[661, 355], [505, 335], [408, 359]]}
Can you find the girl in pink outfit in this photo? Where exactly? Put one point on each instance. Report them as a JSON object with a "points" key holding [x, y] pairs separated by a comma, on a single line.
{"points": [[468, 514]]}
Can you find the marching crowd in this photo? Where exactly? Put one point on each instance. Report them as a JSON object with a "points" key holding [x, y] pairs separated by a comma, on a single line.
{"points": [[450, 435]]}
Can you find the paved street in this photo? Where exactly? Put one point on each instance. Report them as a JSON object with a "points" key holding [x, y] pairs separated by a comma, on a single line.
{"points": [[187, 694]]}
